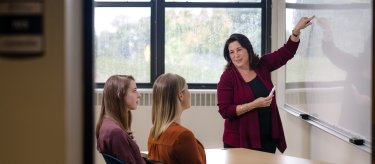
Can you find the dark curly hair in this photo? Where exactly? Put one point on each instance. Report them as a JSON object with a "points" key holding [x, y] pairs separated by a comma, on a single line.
{"points": [[244, 42]]}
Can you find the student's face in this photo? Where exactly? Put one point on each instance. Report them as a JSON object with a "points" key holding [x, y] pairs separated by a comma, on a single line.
{"points": [[132, 98], [184, 96], [238, 54]]}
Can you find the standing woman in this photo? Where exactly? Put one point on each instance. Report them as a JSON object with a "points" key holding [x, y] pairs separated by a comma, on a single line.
{"points": [[252, 119], [169, 142], [113, 131]]}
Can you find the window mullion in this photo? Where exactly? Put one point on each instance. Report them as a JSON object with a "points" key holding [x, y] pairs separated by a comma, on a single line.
{"points": [[159, 34]]}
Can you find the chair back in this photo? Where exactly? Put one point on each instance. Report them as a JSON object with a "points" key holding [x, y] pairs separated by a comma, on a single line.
{"points": [[109, 159]]}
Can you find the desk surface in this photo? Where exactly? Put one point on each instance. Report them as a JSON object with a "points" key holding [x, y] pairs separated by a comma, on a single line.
{"points": [[246, 156]]}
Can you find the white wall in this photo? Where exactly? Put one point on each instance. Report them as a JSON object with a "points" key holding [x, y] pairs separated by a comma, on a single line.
{"points": [[35, 97], [73, 81], [205, 122]]}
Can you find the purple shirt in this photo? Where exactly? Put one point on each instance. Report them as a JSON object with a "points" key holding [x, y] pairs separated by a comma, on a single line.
{"points": [[115, 141], [232, 90]]}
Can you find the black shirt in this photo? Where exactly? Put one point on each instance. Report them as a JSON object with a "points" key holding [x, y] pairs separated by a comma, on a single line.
{"points": [[264, 114]]}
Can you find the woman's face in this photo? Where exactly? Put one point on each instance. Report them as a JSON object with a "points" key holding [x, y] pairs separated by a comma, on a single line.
{"points": [[132, 97], [238, 55], [184, 97]]}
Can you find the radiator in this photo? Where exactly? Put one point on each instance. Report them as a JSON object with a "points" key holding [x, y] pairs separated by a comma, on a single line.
{"points": [[198, 97]]}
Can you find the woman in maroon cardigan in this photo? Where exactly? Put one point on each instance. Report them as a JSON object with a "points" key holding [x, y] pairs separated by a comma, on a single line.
{"points": [[251, 116]]}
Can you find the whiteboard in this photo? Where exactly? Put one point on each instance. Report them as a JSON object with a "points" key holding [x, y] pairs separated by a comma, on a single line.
{"points": [[330, 75]]}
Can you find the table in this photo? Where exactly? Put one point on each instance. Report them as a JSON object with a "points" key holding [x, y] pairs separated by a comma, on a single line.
{"points": [[247, 156]]}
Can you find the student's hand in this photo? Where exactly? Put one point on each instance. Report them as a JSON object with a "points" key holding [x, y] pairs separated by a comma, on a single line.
{"points": [[263, 101]]}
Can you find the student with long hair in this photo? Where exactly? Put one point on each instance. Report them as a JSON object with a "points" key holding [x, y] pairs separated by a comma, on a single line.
{"points": [[169, 142], [113, 131]]}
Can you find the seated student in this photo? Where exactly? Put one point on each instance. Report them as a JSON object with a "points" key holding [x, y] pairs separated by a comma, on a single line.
{"points": [[113, 131], [169, 142]]}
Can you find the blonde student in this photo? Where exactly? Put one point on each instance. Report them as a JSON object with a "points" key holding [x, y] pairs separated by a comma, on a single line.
{"points": [[169, 142]]}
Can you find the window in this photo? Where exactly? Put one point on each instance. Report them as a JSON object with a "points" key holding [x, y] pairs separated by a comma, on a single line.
{"points": [[149, 38], [122, 36]]}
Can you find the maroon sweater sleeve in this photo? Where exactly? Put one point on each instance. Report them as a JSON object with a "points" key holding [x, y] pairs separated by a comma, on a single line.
{"points": [[225, 93], [280, 57]]}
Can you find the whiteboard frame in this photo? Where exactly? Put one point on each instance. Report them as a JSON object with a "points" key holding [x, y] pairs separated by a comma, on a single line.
{"points": [[329, 128]]}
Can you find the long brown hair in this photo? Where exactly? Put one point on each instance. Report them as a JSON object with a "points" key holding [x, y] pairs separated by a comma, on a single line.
{"points": [[113, 104], [165, 102], [244, 42]]}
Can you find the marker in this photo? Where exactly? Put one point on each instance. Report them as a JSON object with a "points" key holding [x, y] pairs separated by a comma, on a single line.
{"points": [[356, 141], [304, 116], [272, 91]]}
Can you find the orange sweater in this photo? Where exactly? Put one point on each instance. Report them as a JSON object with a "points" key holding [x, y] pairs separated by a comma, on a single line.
{"points": [[176, 145]]}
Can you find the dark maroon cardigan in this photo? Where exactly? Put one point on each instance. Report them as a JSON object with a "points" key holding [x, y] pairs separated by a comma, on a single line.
{"points": [[243, 131]]}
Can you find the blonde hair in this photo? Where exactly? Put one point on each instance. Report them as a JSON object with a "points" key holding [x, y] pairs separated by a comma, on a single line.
{"points": [[113, 104], [165, 102]]}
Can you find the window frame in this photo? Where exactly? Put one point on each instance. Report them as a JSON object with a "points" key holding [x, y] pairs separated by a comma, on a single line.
{"points": [[157, 18]]}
